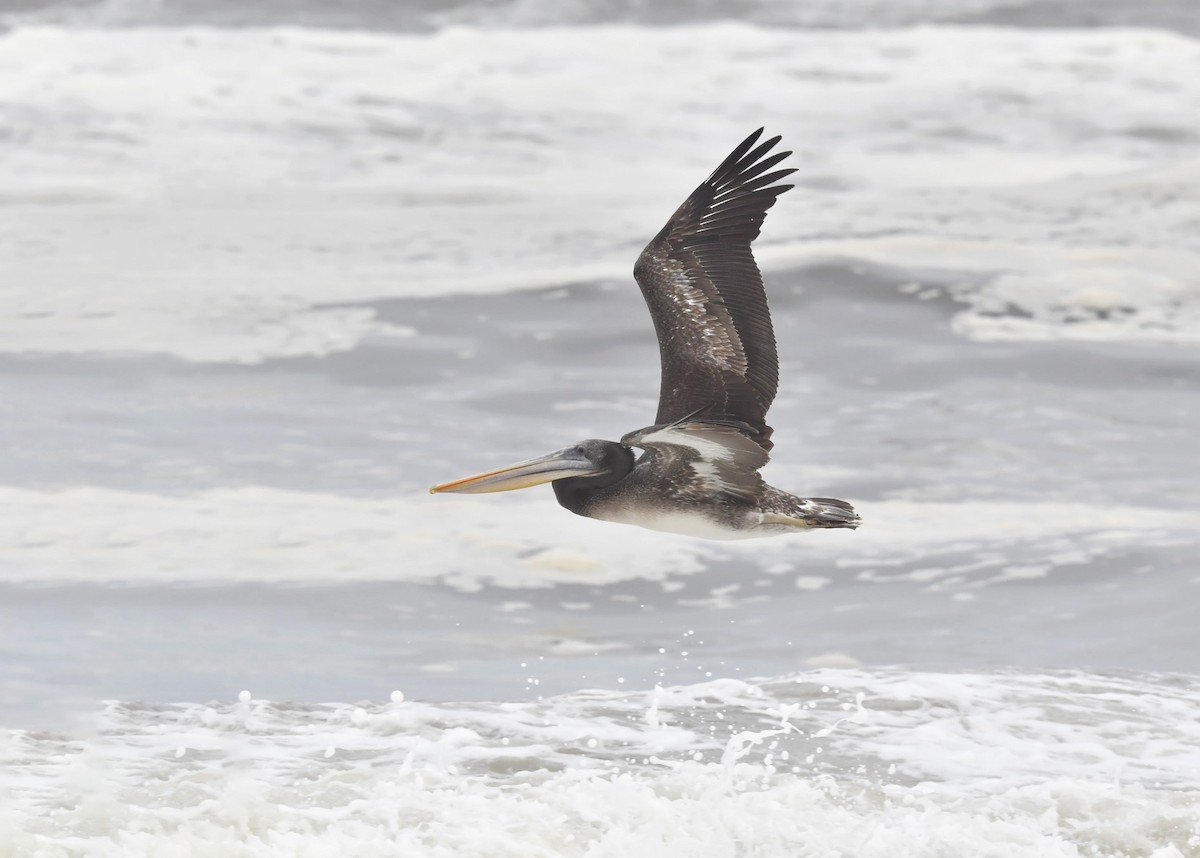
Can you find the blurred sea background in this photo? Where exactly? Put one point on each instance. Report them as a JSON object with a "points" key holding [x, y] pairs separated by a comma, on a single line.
{"points": [[270, 269]]}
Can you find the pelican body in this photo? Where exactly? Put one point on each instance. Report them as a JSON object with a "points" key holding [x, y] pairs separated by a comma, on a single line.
{"points": [[698, 472]]}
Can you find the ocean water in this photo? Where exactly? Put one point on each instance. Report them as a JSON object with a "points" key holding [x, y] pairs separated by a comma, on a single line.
{"points": [[268, 271]]}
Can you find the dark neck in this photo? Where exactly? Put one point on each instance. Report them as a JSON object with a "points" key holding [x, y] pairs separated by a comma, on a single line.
{"points": [[578, 493]]}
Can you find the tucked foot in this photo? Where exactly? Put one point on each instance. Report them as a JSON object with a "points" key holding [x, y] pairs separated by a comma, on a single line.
{"points": [[828, 512], [814, 512]]}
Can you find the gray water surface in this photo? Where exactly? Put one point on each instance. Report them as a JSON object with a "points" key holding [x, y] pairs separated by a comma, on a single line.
{"points": [[873, 378]]}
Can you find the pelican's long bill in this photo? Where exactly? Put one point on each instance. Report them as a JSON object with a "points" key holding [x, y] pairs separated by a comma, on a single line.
{"points": [[568, 462]]}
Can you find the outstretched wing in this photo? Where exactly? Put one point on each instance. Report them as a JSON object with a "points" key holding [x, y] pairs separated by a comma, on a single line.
{"points": [[723, 458], [706, 296]]}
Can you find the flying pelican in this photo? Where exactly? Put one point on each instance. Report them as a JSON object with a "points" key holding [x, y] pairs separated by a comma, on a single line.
{"points": [[698, 472]]}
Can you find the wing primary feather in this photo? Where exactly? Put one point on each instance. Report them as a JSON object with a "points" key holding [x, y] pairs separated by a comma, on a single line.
{"points": [[752, 157], [758, 168], [736, 155], [763, 181]]}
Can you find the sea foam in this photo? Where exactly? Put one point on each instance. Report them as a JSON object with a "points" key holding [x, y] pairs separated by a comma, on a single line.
{"points": [[263, 534], [871, 763], [166, 195]]}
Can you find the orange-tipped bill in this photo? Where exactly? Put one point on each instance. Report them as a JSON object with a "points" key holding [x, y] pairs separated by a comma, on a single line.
{"points": [[569, 462]]}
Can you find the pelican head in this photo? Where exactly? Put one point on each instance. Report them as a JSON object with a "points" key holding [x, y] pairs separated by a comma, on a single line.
{"points": [[592, 463]]}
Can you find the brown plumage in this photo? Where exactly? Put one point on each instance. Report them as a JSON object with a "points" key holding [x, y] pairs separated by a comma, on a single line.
{"points": [[706, 296], [699, 472]]}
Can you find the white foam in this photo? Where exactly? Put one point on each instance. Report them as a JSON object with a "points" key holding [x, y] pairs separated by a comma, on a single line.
{"points": [[854, 762], [168, 196], [261, 534], [1038, 290]]}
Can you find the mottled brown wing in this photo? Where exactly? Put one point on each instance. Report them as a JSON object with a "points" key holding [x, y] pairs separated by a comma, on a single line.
{"points": [[706, 296], [722, 459]]}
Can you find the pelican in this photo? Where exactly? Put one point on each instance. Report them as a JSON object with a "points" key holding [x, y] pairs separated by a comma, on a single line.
{"points": [[698, 472]]}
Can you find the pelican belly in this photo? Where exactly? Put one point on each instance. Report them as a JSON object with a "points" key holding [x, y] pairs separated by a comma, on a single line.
{"points": [[696, 523]]}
